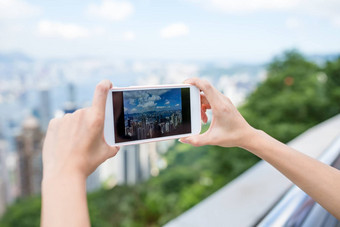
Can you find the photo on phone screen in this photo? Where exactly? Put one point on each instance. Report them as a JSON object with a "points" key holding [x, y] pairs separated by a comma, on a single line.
{"points": [[151, 113]]}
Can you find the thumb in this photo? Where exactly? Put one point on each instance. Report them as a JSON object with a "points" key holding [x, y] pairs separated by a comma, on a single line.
{"points": [[196, 140]]}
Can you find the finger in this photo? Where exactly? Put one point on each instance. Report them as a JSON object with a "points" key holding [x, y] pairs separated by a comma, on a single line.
{"points": [[204, 106], [196, 140], [206, 87], [204, 116], [100, 94], [204, 101]]}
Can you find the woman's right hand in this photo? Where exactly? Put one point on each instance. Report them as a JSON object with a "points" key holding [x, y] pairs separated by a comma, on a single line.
{"points": [[228, 128]]}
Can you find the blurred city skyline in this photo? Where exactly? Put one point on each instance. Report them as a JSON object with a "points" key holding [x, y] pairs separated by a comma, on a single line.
{"points": [[53, 53], [241, 31]]}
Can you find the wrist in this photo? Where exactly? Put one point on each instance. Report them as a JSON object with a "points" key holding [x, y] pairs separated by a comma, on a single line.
{"points": [[62, 195], [251, 139], [62, 178]]}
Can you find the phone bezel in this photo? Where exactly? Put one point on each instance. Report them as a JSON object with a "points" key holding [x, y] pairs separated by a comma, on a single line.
{"points": [[195, 111]]}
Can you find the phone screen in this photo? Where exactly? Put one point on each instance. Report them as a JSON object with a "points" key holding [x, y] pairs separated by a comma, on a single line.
{"points": [[151, 113]]}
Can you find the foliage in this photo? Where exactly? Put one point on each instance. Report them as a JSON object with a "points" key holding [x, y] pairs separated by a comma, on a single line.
{"points": [[296, 95], [25, 212], [190, 177]]}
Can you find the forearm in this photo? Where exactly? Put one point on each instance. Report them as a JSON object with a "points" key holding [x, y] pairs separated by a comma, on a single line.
{"points": [[64, 201], [317, 179]]}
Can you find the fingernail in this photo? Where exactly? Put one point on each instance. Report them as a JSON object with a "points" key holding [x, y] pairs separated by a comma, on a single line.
{"points": [[182, 140], [187, 81]]}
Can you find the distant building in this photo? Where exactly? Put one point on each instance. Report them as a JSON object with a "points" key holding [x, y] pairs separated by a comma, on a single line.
{"points": [[71, 93], [148, 160], [70, 106], [45, 108], [29, 146], [92, 181], [3, 177], [132, 164], [137, 162]]}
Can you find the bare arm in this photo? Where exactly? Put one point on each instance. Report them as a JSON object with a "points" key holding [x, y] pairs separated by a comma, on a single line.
{"points": [[73, 148], [320, 181], [228, 128]]}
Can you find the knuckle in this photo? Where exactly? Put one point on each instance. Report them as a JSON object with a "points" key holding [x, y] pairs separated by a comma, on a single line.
{"points": [[53, 123], [101, 87], [195, 142], [78, 112], [194, 80], [227, 99], [221, 110], [97, 121], [67, 116], [224, 108], [206, 85], [224, 105]]}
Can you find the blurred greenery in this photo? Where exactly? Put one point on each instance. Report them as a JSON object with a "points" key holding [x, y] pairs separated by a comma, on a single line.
{"points": [[296, 95]]}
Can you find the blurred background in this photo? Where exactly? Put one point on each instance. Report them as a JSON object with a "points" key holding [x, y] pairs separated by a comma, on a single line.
{"points": [[278, 61]]}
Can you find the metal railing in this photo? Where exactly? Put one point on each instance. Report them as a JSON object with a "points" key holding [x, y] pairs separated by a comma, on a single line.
{"points": [[295, 206]]}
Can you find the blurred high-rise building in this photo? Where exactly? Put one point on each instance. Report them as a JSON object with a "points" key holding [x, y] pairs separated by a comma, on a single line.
{"points": [[92, 181], [132, 164], [3, 176], [44, 108], [29, 145], [148, 160], [70, 106], [137, 163]]}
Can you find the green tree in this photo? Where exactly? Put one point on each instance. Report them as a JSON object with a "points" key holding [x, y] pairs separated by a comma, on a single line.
{"points": [[24, 212], [331, 78], [292, 98]]}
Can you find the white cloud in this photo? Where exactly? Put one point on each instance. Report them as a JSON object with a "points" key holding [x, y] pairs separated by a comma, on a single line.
{"points": [[246, 6], [62, 30], [129, 36], [325, 8], [154, 98], [167, 102], [99, 31], [174, 30], [328, 9], [292, 23], [336, 22], [16, 9], [111, 10], [144, 100], [146, 105]]}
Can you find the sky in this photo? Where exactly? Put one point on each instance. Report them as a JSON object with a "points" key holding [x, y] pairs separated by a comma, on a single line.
{"points": [[243, 30], [159, 99]]}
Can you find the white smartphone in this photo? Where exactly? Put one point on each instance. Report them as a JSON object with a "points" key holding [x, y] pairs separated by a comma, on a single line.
{"points": [[144, 114]]}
